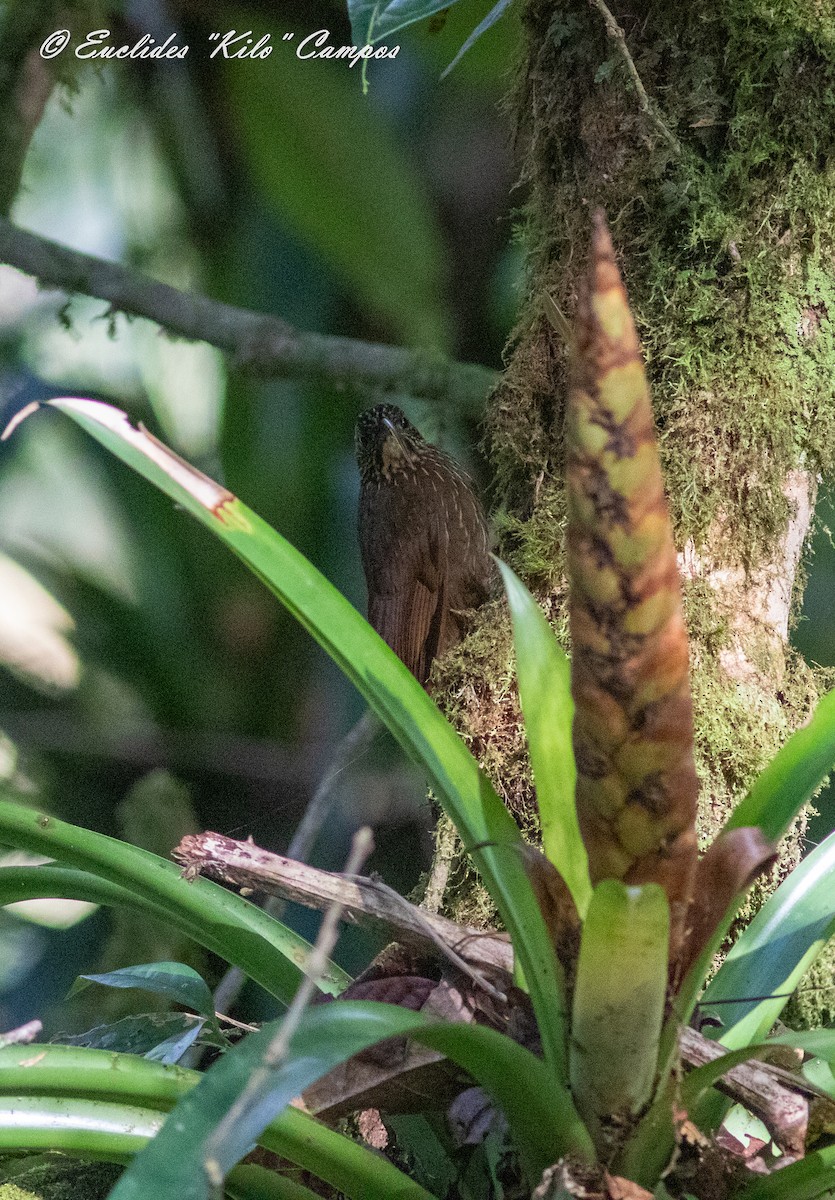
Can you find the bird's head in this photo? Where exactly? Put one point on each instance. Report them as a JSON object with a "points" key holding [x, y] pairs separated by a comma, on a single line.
{"points": [[386, 442]]}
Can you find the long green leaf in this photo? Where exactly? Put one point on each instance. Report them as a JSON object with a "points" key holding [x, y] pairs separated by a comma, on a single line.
{"points": [[789, 780], [76, 1125], [66, 883], [48, 882], [774, 952], [47, 1073], [113, 1132], [267, 951], [545, 692], [250, 1182], [390, 689], [619, 1001], [105, 1130], [539, 1111]]}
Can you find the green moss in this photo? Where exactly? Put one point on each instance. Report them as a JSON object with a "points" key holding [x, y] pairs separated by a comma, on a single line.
{"points": [[463, 898], [814, 17], [740, 726], [727, 248], [475, 685], [53, 1176], [813, 1004]]}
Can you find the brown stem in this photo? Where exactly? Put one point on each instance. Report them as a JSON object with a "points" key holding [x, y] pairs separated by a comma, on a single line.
{"points": [[364, 900], [255, 340], [782, 1109], [619, 38]]}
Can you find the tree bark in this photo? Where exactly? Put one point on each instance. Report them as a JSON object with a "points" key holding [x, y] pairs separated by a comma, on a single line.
{"points": [[707, 133]]}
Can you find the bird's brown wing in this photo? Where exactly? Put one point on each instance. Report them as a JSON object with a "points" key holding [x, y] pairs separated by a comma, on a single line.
{"points": [[406, 577], [467, 562]]}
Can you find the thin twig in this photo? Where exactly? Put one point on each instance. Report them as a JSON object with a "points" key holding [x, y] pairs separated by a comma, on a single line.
{"points": [[237, 1024], [320, 807], [254, 340], [647, 106], [424, 921], [277, 1048], [307, 831], [22, 1035]]}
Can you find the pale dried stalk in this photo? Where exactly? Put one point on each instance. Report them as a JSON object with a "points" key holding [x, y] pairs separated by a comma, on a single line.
{"points": [[276, 1051], [366, 901]]}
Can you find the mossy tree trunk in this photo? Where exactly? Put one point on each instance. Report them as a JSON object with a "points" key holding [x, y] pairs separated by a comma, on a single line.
{"points": [[707, 133]]}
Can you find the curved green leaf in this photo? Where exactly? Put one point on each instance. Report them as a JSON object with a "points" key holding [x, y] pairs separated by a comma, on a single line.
{"points": [[775, 950], [49, 882], [175, 980], [49, 1072], [113, 1132], [545, 692], [267, 951], [471, 802], [250, 1182], [808, 1179], [789, 780], [539, 1111], [67, 883], [89, 1128]]}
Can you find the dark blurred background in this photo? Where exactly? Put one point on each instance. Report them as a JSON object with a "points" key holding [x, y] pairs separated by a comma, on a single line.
{"points": [[148, 683]]}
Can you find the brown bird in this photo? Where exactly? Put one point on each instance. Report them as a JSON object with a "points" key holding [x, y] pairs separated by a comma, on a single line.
{"points": [[423, 537]]}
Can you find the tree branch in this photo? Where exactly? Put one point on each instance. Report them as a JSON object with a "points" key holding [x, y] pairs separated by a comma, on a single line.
{"points": [[365, 901], [783, 1109], [254, 340]]}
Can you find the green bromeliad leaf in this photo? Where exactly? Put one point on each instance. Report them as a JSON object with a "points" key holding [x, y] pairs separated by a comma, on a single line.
{"points": [[113, 872], [543, 1125], [545, 692], [775, 950], [90, 1102], [619, 1003]]}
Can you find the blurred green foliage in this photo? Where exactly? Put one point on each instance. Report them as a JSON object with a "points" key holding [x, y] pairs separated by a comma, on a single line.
{"points": [[278, 186]]}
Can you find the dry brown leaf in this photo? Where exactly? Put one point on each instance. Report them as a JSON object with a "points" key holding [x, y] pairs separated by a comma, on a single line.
{"points": [[730, 866]]}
